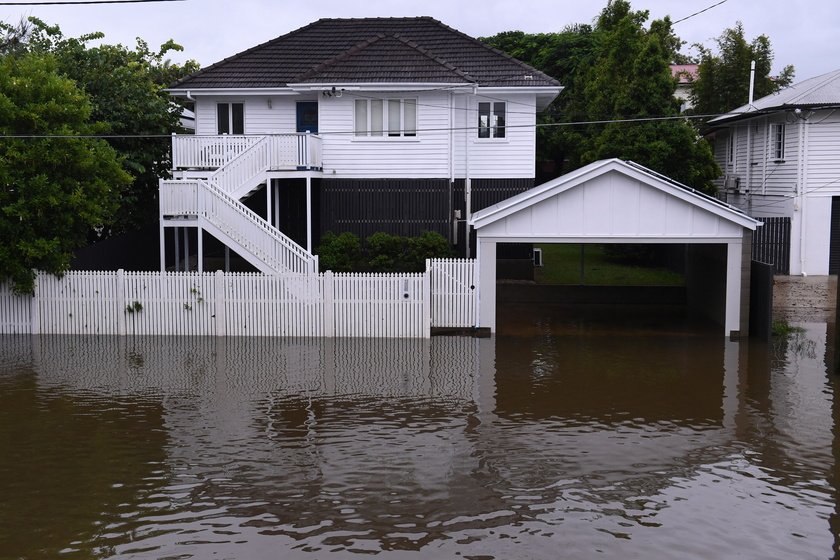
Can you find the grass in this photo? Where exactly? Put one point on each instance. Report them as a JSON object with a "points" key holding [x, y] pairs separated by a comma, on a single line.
{"points": [[783, 329], [561, 265]]}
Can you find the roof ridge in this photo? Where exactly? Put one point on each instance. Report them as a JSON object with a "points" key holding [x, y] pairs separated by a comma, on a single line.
{"points": [[359, 47], [339, 57], [300, 54], [523, 65], [442, 61]]}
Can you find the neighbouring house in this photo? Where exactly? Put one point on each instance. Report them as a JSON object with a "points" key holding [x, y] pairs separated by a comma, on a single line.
{"points": [[685, 75], [780, 158], [362, 125]]}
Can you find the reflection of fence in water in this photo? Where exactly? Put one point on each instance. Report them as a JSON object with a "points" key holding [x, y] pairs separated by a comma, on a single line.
{"points": [[250, 366]]}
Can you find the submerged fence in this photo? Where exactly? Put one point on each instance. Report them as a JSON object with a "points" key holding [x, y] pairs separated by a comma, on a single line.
{"points": [[246, 304]]}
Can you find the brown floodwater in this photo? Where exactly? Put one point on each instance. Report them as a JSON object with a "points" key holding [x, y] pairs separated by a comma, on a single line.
{"points": [[572, 433]]}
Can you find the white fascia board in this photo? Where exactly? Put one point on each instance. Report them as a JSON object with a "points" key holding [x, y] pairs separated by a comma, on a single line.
{"points": [[571, 180], [641, 240], [537, 194], [230, 92], [544, 94], [696, 199]]}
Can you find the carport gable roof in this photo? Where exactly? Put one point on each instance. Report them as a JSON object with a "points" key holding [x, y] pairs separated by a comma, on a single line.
{"points": [[637, 175]]}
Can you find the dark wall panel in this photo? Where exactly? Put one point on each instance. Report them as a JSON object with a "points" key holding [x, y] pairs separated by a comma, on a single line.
{"points": [[395, 206]]}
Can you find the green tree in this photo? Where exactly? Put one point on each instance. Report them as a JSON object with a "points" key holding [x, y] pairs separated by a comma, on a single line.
{"points": [[55, 183], [723, 80], [562, 55], [126, 88], [13, 37], [623, 103]]}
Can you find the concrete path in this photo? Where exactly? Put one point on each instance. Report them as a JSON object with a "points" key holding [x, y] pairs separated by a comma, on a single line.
{"points": [[805, 298]]}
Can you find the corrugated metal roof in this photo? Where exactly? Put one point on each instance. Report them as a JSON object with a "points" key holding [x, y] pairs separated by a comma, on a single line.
{"points": [[417, 49], [820, 91], [685, 73]]}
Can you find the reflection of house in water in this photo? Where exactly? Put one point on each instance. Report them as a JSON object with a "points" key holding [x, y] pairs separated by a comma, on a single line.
{"points": [[396, 444]]}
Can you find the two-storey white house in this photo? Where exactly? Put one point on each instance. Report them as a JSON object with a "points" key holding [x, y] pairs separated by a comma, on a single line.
{"points": [[362, 125], [781, 159]]}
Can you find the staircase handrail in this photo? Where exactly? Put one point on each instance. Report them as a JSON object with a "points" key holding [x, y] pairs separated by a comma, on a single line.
{"points": [[298, 259], [247, 165], [189, 198]]}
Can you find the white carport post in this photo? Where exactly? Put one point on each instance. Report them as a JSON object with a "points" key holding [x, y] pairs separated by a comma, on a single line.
{"points": [[486, 258], [732, 323]]}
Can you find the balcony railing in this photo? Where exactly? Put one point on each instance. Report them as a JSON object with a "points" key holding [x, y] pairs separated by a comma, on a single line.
{"points": [[285, 151]]}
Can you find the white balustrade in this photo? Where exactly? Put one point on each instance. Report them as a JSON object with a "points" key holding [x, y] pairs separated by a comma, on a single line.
{"points": [[287, 151]]}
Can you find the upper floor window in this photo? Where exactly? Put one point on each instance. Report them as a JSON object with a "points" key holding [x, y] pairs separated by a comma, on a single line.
{"points": [[386, 117], [730, 147], [491, 119], [777, 142], [230, 118]]}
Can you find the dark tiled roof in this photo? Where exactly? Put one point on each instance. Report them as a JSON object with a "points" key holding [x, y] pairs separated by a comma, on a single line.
{"points": [[368, 50]]}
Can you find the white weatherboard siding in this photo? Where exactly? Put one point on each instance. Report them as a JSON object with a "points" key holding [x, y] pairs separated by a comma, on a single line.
{"points": [[259, 117], [349, 156], [811, 256], [512, 156], [279, 118], [446, 143], [820, 172], [800, 186], [824, 153], [610, 206]]}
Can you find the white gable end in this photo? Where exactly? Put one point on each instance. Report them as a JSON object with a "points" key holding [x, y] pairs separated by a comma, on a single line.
{"points": [[612, 203]]}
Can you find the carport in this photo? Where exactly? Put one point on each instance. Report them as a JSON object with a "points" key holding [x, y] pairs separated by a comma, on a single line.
{"points": [[615, 201]]}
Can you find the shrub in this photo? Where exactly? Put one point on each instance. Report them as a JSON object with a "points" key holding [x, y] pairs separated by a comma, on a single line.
{"points": [[383, 252], [429, 245], [339, 253], [387, 253], [391, 253]]}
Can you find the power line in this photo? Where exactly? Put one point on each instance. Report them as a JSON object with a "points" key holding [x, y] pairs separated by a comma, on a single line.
{"points": [[700, 12], [353, 132]]}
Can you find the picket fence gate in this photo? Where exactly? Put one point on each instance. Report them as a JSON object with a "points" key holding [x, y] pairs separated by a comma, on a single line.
{"points": [[246, 304]]}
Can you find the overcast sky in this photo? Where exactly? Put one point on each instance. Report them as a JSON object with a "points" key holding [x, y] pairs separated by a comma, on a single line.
{"points": [[803, 33]]}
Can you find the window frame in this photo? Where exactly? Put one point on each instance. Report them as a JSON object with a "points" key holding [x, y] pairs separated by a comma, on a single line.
{"points": [[495, 126], [777, 142], [234, 121], [730, 148], [374, 118]]}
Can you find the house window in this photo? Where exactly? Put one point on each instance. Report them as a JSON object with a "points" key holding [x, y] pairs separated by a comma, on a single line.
{"points": [[381, 117], [730, 147], [230, 118], [777, 142], [491, 119]]}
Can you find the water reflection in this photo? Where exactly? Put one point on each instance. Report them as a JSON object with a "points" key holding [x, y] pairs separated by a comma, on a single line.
{"points": [[574, 440]]}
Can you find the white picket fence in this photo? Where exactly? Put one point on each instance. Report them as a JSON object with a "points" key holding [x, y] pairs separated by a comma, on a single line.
{"points": [[246, 304]]}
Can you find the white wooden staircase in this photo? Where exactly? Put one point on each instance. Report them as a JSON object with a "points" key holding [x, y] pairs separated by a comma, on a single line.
{"points": [[234, 167]]}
